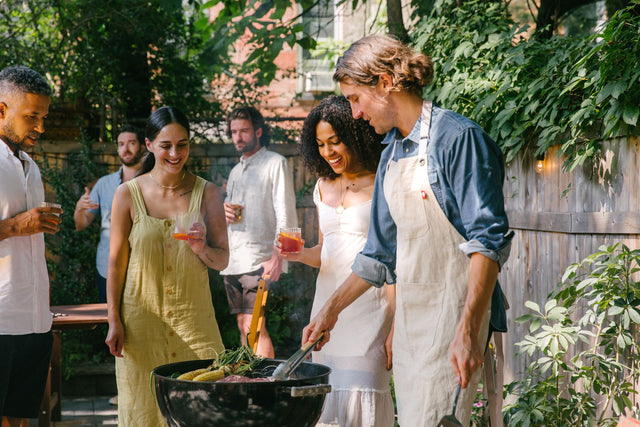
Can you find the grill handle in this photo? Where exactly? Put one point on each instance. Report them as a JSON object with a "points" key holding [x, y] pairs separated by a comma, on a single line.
{"points": [[308, 390]]}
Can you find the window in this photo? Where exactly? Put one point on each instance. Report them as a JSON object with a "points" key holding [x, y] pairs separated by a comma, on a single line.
{"points": [[315, 74]]}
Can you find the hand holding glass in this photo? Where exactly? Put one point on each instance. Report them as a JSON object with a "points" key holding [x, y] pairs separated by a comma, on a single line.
{"points": [[290, 240], [51, 205], [238, 211], [189, 226]]}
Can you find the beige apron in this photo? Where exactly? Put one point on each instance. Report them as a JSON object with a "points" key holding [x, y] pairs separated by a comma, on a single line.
{"points": [[431, 289]]}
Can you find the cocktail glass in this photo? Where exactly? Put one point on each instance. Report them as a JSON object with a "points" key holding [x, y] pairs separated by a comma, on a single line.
{"points": [[290, 240], [188, 226]]}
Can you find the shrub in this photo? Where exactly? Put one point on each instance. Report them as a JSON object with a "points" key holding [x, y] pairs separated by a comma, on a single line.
{"points": [[585, 346]]}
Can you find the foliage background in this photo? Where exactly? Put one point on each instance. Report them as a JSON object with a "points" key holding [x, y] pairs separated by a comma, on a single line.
{"points": [[531, 93], [119, 59]]}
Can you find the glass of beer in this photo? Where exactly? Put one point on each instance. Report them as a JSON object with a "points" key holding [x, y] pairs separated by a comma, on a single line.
{"points": [[189, 226], [290, 240], [237, 208]]}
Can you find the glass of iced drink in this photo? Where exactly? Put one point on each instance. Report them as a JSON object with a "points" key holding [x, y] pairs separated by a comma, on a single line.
{"points": [[51, 205], [290, 240], [188, 226]]}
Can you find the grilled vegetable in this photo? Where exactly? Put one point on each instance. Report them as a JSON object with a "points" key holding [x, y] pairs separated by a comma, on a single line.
{"points": [[240, 361], [210, 376], [192, 374]]}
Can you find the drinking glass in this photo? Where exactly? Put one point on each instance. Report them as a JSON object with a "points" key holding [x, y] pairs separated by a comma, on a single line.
{"points": [[290, 240], [189, 226], [237, 208], [51, 205]]}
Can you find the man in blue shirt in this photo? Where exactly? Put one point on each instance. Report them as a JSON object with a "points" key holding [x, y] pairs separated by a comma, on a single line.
{"points": [[438, 230], [131, 147]]}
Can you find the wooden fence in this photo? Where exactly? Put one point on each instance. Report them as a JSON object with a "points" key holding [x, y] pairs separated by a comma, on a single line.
{"points": [[560, 218]]}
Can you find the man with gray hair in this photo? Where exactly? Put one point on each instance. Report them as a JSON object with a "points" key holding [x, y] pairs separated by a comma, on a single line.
{"points": [[25, 316]]}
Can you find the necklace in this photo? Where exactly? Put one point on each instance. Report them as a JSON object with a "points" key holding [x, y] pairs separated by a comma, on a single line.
{"points": [[343, 192], [168, 187]]}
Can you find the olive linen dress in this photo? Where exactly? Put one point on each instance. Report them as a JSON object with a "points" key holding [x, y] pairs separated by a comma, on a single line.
{"points": [[166, 310]]}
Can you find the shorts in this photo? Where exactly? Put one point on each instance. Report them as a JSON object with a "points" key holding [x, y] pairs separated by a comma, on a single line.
{"points": [[24, 367], [241, 291]]}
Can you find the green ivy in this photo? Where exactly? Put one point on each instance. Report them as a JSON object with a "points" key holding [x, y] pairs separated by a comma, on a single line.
{"points": [[584, 345], [71, 255], [531, 94]]}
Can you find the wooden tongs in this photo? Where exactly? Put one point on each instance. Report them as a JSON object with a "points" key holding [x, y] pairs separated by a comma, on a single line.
{"points": [[257, 318]]}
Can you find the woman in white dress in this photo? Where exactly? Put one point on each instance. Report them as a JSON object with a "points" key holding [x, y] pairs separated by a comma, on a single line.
{"points": [[344, 153]]}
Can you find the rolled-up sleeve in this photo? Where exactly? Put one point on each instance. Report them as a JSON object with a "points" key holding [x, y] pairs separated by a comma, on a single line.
{"points": [[474, 172], [377, 262]]}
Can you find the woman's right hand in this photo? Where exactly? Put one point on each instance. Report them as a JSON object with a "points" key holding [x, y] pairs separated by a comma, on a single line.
{"points": [[289, 256], [115, 338]]}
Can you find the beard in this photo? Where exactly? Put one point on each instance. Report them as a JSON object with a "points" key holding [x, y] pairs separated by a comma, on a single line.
{"points": [[12, 139], [249, 146], [134, 160]]}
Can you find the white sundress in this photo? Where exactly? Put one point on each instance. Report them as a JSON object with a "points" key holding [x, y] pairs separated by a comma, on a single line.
{"points": [[360, 395]]}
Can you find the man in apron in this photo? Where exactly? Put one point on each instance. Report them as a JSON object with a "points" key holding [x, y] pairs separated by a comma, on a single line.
{"points": [[438, 230]]}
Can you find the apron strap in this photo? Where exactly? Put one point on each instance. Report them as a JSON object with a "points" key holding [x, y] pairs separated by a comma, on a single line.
{"points": [[425, 127]]}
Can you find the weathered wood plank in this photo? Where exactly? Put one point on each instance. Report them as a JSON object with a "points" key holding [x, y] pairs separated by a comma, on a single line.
{"points": [[576, 223]]}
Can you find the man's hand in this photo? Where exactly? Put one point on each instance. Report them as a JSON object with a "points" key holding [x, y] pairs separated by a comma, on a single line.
{"points": [[82, 215], [466, 355], [324, 321], [230, 213], [35, 220], [84, 202], [272, 268], [465, 352]]}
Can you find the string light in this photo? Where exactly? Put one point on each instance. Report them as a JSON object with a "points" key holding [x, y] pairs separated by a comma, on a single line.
{"points": [[540, 162]]}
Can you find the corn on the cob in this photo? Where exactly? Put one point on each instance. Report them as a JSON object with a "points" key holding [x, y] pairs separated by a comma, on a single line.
{"points": [[210, 376], [192, 374]]}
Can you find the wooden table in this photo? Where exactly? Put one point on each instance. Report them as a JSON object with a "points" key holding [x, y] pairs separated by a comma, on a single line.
{"points": [[65, 317]]}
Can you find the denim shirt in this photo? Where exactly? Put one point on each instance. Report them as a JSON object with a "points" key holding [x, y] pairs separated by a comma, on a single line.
{"points": [[466, 174]]}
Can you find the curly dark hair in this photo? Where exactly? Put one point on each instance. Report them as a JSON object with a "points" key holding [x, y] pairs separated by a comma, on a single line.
{"points": [[361, 140]]}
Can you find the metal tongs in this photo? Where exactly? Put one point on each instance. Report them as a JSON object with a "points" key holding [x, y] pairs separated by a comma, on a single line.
{"points": [[285, 369]]}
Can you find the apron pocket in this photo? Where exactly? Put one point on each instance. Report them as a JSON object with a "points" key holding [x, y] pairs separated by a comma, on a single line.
{"points": [[420, 317]]}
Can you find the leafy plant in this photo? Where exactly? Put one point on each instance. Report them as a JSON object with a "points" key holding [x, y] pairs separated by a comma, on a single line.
{"points": [[71, 255], [584, 342], [530, 94]]}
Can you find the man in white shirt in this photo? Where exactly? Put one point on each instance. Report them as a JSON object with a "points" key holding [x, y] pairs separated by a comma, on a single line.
{"points": [[262, 184], [25, 316]]}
